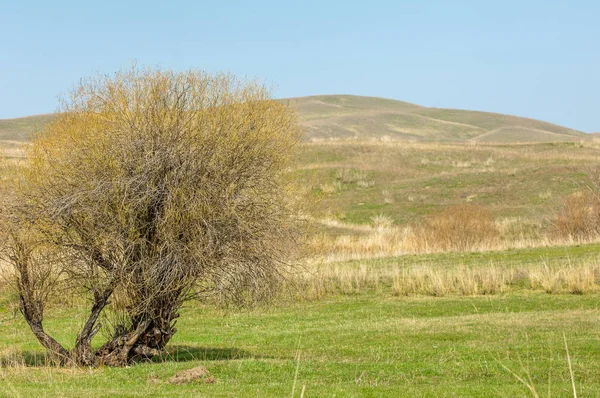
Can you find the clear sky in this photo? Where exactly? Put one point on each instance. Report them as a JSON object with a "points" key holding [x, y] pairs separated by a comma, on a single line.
{"points": [[531, 58]]}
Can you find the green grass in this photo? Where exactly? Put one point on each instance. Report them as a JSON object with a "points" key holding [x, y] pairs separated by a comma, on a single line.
{"points": [[355, 346], [363, 344]]}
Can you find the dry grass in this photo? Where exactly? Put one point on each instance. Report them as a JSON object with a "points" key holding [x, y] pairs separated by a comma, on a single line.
{"points": [[320, 280], [352, 116], [379, 239], [358, 177], [521, 184], [464, 281], [362, 242], [12, 150]]}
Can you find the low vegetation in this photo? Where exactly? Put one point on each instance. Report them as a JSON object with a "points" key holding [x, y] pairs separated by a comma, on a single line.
{"points": [[458, 228], [347, 116], [579, 216], [432, 269], [353, 342], [327, 117]]}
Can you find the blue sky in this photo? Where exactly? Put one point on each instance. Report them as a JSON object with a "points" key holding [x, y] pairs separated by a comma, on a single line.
{"points": [[529, 58]]}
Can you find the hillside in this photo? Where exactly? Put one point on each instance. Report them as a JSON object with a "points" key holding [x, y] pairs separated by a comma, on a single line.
{"points": [[21, 129], [335, 116], [348, 116]]}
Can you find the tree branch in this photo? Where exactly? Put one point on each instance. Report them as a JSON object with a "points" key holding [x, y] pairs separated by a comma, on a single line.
{"points": [[44, 338], [83, 345]]}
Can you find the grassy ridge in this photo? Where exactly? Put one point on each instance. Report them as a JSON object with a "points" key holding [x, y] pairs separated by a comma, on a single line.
{"points": [[21, 129], [348, 116], [354, 181]]}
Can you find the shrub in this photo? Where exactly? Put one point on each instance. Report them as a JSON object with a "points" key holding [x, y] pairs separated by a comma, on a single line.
{"points": [[148, 189], [578, 216], [457, 228]]}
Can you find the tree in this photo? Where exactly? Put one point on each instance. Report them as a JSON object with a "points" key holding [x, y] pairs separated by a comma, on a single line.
{"points": [[151, 188]]}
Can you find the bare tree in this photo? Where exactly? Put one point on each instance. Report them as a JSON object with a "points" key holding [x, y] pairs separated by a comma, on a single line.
{"points": [[148, 189]]}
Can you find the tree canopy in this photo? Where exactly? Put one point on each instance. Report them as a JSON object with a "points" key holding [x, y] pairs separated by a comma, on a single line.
{"points": [[150, 188]]}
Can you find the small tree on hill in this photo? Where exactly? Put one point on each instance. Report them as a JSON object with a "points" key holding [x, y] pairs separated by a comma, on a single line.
{"points": [[148, 189]]}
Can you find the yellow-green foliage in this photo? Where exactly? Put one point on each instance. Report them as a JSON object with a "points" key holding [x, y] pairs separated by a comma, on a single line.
{"points": [[206, 153], [149, 184]]}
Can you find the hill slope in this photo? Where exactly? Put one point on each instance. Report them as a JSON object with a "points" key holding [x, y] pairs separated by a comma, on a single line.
{"points": [[348, 116], [335, 116], [21, 129]]}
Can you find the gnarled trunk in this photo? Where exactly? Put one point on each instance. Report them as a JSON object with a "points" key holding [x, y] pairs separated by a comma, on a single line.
{"points": [[144, 340], [83, 353], [57, 351], [147, 337]]}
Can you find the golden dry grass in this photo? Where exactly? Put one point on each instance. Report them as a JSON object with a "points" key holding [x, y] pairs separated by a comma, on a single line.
{"points": [[363, 242], [332, 116], [320, 280], [335, 116]]}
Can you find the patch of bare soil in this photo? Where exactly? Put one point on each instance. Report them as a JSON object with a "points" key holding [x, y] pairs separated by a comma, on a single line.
{"points": [[187, 376]]}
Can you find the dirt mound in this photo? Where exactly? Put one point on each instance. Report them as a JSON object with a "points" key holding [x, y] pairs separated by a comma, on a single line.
{"points": [[187, 376]]}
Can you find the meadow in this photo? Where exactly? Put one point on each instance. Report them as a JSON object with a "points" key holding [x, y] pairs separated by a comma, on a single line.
{"points": [[357, 338], [381, 306], [369, 196]]}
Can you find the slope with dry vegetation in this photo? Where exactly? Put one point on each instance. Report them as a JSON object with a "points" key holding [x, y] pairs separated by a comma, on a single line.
{"points": [[349, 116]]}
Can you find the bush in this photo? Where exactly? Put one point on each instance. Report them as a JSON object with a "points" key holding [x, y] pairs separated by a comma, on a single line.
{"points": [[457, 228], [578, 217], [148, 189]]}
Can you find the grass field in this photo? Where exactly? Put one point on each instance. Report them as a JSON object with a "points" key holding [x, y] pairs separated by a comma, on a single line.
{"points": [[354, 184], [372, 313], [366, 343], [406, 180]]}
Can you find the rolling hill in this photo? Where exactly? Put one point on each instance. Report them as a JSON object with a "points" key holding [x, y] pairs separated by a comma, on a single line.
{"points": [[337, 116], [21, 129], [349, 116]]}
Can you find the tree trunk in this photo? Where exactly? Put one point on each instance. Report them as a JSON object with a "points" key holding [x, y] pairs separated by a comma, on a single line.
{"points": [[31, 307], [83, 354], [144, 340], [57, 351]]}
